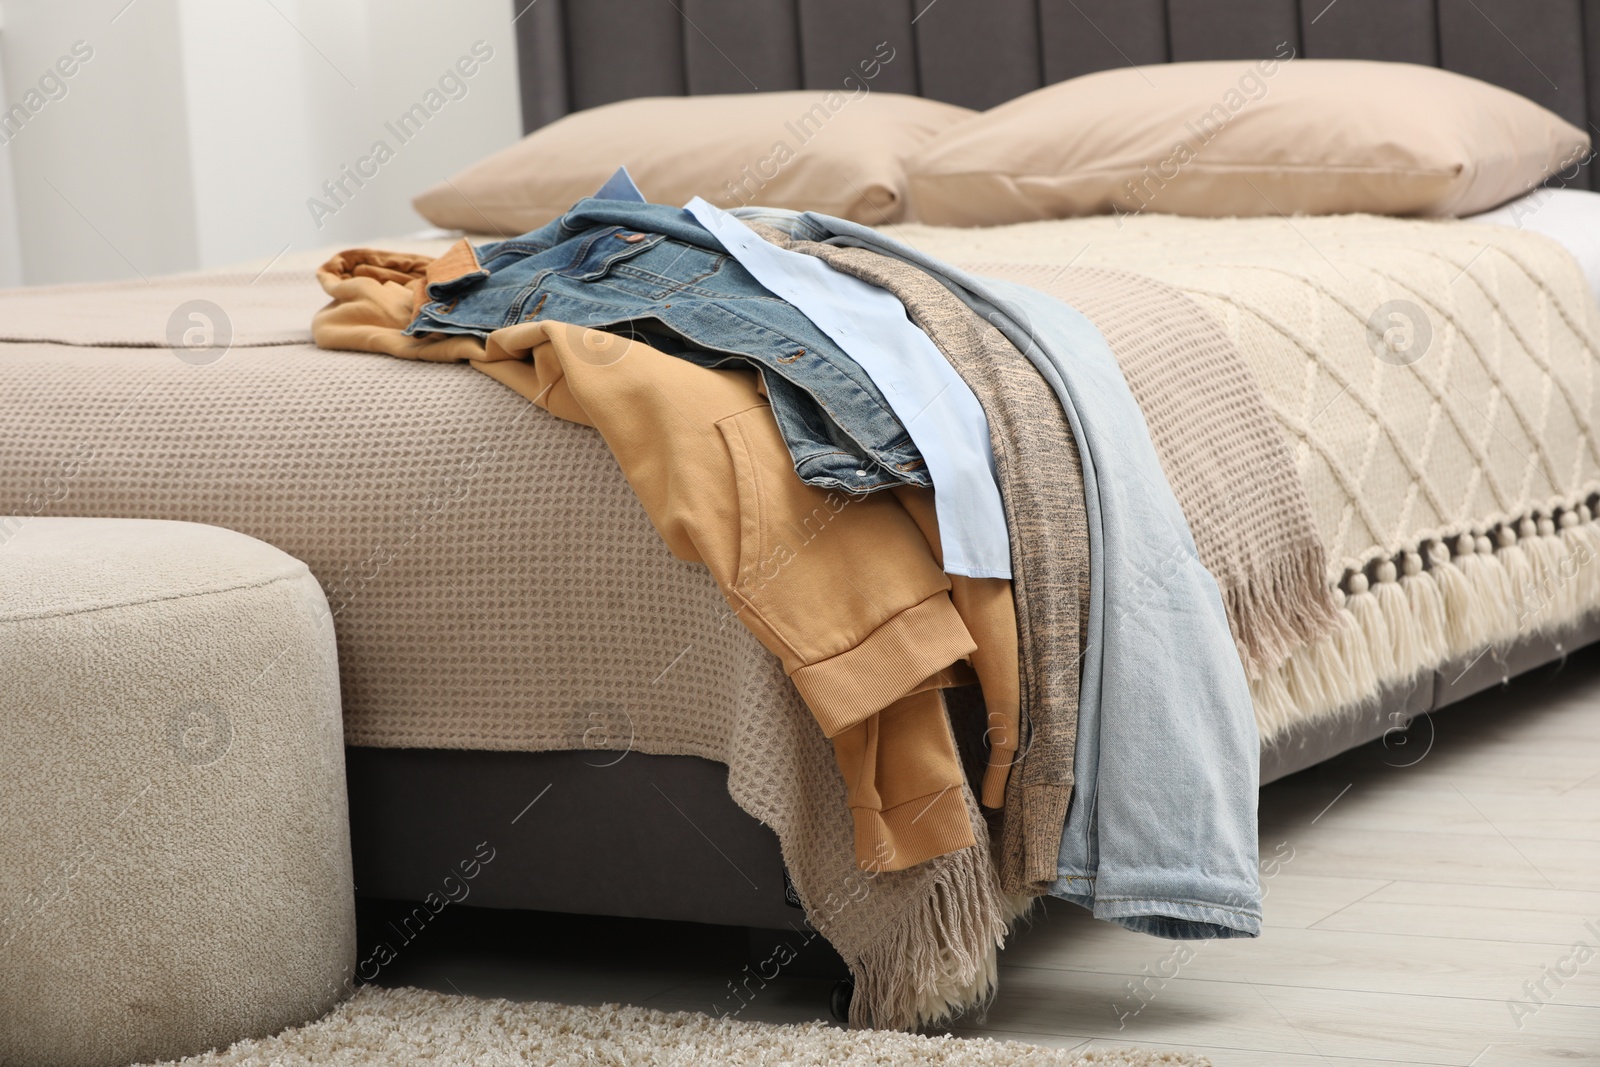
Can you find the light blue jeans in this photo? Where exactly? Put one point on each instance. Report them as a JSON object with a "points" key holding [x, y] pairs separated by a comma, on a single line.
{"points": [[1161, 833]]}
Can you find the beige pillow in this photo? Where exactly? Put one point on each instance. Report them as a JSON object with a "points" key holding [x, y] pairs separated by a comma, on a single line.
{"points": [[837, 152], [1311, 136]]}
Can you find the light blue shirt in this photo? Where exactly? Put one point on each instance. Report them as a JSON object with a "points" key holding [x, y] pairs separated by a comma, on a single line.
{"points": [[937, 408]]}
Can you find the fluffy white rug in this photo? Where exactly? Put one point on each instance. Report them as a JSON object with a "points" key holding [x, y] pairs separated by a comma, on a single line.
{"points": [[414, 1028]]}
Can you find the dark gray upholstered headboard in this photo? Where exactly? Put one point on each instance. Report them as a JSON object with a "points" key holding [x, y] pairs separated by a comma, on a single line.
{"points": [[581, 53]]}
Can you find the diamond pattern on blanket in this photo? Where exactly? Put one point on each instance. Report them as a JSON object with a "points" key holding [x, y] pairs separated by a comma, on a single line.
{"points": [[1479, 409]]}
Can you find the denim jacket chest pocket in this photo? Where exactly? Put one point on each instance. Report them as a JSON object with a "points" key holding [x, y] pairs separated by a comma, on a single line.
{"points": [[503, 290], [668, 267]]}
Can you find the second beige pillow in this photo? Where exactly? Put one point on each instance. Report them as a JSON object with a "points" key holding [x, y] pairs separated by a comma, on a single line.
{"points": [[1281, 135]]}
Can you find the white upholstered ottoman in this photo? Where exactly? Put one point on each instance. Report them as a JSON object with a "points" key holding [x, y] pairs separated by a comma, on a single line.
{"points": [[174, 842]]}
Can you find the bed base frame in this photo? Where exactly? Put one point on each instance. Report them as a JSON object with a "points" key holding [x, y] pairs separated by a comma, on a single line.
{"points": [[587, 833]]}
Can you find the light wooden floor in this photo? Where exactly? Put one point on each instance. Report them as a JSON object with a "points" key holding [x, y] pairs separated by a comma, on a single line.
{"points": [[1411, 900]]}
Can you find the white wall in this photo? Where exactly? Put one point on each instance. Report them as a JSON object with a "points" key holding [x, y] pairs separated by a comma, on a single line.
{"points": [[10, 243], [102, 182], [199, 129]]}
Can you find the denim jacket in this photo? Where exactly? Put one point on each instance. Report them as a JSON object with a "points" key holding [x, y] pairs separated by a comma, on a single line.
{"points": [[656, 270]]}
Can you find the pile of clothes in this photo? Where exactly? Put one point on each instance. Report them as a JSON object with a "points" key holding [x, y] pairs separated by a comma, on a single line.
{"points": [[904, 477]]}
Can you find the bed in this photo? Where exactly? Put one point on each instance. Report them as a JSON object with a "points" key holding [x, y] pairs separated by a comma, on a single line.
{"points": [[976, 58], [415, 475]]}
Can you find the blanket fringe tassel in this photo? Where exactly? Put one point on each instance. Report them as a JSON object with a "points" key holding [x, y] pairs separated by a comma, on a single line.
{"points": [[1392, 619], [939, 958], [1279, 607], [1450, 597]]}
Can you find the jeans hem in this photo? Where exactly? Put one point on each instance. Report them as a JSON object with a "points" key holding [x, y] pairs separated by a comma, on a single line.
{"points": [[1165, 917]]}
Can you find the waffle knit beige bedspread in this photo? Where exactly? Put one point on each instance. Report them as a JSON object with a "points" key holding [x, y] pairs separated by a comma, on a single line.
{"points": [[496, 585], [494, 581]]}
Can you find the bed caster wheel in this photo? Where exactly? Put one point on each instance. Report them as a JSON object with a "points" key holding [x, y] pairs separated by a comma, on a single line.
{"points": [[839, 1000]]}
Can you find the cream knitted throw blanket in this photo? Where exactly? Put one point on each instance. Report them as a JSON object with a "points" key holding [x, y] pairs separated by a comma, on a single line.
{"points": [[1219, 448], [1435, 384]]}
